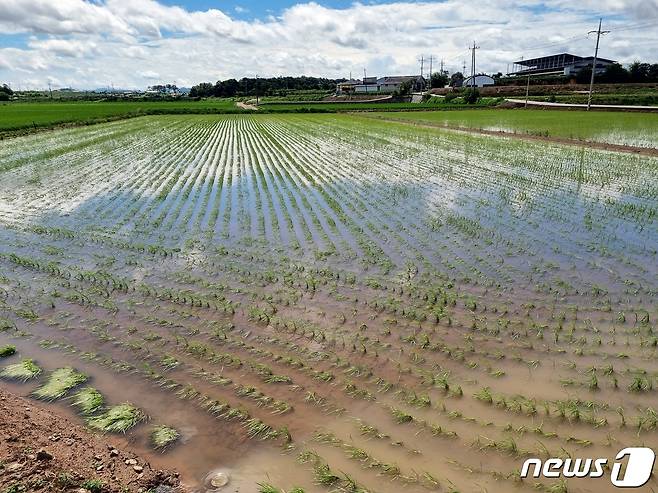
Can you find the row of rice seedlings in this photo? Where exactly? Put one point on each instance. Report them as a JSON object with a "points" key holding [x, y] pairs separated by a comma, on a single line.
{"points": [[277, 406], [356, 453], [570, 409], [59, 383], [324, 476], [26, 370], [402, 417]]}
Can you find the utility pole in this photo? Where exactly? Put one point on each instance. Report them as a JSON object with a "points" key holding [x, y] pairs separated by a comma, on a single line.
{"points": [[430, 78], [596, 54], [50, 90], [527, 91], [256, 89], [422, 63], [473, 48], [442, 66]]}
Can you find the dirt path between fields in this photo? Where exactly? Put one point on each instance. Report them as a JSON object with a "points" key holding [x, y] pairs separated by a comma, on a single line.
{"points": [[644, 151], [44, 452]]}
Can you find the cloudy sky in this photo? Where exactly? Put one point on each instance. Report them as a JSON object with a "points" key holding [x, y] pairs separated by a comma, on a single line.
{"points": [[136, 43]]}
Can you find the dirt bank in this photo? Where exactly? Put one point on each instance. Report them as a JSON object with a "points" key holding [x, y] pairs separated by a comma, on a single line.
{"points": [[44, 452]]}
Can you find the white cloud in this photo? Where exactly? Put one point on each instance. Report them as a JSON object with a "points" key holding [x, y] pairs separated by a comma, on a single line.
{"points": [[133, 42]]}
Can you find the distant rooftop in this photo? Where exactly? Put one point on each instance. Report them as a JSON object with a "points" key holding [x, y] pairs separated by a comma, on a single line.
{"points": [[565, 63]]}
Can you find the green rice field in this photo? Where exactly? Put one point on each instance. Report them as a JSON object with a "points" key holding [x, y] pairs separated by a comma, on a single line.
{"points": [[626, 128]]}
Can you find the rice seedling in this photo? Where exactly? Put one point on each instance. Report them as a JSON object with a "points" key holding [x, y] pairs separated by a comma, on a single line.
{"points": [[117, 419], [401, 416], [88, 400], [23, 371], [163, 436], [6, 351], [324, 476], [59, 383]]}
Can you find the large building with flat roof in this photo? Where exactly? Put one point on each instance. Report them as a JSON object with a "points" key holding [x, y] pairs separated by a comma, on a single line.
{"points": [[560, 64]]}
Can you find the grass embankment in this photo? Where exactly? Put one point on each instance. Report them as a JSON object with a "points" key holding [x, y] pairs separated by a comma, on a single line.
{"points": [[635, 129], [647, 98], [25, 116], [16, 117], [335, 107]]}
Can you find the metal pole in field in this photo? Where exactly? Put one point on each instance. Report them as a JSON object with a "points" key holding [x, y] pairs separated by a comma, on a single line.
{"points": [[473, 63], [596, 54], [527, 91]]}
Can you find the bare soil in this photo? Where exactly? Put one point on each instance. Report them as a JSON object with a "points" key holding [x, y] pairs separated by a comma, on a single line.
{"points": [[44, 452]]}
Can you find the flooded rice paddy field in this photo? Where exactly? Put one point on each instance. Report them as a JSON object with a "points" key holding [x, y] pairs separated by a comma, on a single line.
{"points": [[317, 302]]}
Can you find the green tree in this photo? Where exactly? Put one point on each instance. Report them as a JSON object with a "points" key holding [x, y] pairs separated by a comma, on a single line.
{"points": [[639, 72], [439, 79], [404, 89], [5, 92], [614, 73], [457, 79]]}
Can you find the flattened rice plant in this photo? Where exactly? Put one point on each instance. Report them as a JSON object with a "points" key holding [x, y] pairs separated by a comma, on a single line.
{"points": [[7, 351], [59, 383], [117, 419], [88, 401], [23, 371], [162, 436]]}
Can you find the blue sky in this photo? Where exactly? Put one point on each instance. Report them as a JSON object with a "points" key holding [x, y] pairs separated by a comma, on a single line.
{"points": [[136, 43], [257, 9]]}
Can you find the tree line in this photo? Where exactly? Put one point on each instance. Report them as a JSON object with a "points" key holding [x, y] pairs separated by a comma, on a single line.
{"points": [[5, 92], [272, 86], [637, 72]]}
